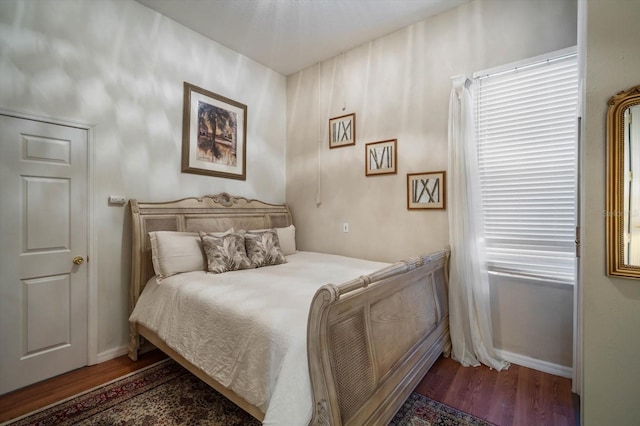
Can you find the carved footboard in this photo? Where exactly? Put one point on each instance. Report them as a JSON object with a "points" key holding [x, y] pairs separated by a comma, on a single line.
{"points": [[371, 340]]}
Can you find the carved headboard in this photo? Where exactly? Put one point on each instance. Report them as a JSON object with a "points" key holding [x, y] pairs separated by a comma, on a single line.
{"points": [[210, 213]]}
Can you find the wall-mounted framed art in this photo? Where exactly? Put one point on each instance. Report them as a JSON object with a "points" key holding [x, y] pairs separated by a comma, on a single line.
{"points": [[342, 131], [214, 134], [426, 190], [380, 157]]}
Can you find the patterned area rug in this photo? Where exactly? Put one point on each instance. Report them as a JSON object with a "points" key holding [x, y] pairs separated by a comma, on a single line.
{"points": [[418, 410], [167, 394]]}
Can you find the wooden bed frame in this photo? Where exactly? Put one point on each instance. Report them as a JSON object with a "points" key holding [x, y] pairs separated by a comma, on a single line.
{"points": [[369, 341]]}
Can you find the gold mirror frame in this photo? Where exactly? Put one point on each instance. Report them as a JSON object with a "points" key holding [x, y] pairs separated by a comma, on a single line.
{"points": [[618, 104]]}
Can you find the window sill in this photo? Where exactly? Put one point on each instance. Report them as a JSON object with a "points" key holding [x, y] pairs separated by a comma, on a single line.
{"points": [[544, 282]]}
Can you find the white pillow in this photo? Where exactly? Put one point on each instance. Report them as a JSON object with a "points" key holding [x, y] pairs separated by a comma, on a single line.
{"points": [[287, 237], [175, 252]]}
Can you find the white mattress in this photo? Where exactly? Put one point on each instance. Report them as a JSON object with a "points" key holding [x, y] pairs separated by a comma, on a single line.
{"points": [[247, 329]]}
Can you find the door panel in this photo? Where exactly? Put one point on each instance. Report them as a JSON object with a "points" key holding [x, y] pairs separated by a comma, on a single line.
{"points": [[46, 150], [46, 229], [43, 226], [47, 308]]}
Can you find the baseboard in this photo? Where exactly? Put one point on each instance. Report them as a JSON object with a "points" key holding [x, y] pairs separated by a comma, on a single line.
{"points": [[112, 353], [536, 364]]}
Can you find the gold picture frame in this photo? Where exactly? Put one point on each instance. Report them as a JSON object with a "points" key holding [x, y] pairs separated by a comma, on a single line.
{"points": [[622, 213], [426, 191], [214, 134]]}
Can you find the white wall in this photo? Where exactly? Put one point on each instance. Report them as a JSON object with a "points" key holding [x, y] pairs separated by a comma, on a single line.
{"points": [[611, 306], [120, 66], [399, 86], [534, 319]]}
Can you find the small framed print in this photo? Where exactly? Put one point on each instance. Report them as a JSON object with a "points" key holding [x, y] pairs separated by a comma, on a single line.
{"points": [[381, 157], [426, 190], [342, 131], [214, 134]]}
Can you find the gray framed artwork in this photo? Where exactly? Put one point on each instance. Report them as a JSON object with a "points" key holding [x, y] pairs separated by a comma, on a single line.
{"points": [[214, 134]]}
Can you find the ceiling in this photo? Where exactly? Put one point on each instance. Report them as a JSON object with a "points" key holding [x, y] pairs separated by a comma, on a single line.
{"points": [[290, 35]]}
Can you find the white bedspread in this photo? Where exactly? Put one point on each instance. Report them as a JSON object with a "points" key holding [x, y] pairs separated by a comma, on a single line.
{"points": [[247, 329]]}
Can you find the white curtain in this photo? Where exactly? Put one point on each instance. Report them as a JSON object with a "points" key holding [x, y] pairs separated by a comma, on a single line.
{"points": [[469, 303]]}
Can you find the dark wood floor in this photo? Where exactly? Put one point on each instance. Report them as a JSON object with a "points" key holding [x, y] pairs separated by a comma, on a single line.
{"points": [[25, 400], [518, 396]]}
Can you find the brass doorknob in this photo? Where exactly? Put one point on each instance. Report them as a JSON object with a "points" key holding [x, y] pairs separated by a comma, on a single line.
{"points": [[78, 260]]}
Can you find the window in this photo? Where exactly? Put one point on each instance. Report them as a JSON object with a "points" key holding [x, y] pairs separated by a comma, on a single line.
{"points": [[526, 130]]}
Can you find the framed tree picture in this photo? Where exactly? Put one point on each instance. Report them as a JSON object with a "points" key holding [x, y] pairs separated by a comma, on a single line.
{"points": [[426, 190], [342, 131], [214, 134], [380, 157]]}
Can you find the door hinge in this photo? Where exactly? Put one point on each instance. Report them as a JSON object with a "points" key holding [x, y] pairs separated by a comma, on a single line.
{"points": [[577, 241]]}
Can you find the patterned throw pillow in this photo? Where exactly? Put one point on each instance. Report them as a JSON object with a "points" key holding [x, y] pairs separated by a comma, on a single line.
{"points": [[263, 248], [225, 253]]}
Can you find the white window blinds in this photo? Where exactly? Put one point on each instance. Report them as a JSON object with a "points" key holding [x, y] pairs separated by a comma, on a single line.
{"points": [[526, 130]]}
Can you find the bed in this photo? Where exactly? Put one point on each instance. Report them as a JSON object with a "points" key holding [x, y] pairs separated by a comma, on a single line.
{"points": [[360, 334]]}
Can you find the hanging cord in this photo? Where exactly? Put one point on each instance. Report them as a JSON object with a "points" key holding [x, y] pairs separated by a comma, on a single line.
{"points": [[344, 83], [319, 187]]}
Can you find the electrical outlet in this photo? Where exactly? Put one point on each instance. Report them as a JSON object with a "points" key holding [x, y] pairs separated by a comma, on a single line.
{"points": [[345, 227], [117, 199]]}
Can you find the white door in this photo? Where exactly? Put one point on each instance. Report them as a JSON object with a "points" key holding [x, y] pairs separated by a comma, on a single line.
{"points": [[43, 227]]}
